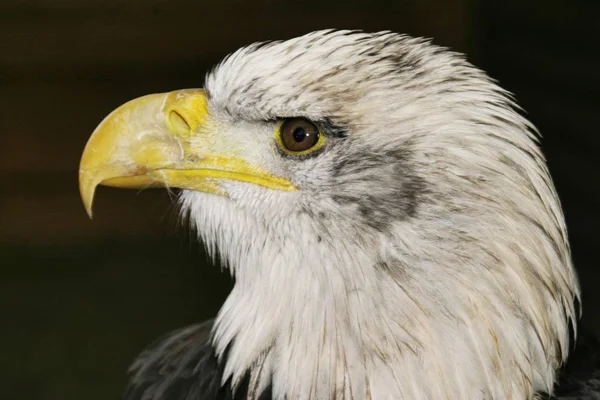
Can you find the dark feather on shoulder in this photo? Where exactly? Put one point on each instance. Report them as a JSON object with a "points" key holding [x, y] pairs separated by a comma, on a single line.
{"points": [[182, 365], [580, 377]]}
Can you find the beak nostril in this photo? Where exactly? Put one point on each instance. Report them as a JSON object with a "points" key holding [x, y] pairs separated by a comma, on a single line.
{"points": [[178, 123]]}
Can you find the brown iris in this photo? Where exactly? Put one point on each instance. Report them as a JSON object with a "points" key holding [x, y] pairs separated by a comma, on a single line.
{"points": [[299, 135]]}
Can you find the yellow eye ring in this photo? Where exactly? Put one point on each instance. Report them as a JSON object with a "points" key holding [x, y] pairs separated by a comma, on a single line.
{"points": [[299, 136]]}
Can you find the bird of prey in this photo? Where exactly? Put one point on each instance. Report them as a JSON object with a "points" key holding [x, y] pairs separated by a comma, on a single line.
{"points": [[387, 216]]}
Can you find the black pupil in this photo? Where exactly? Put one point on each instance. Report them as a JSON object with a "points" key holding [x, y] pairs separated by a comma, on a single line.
{"points": [[299, 134]]}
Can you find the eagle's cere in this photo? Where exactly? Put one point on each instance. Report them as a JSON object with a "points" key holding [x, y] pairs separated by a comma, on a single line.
{"points": [[387, 215]]}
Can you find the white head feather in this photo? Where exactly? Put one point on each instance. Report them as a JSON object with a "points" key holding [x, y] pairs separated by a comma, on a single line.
{"points": [[425, 253]]}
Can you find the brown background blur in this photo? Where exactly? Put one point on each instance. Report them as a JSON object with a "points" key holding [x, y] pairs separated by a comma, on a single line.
{"points": [[79, 298]]}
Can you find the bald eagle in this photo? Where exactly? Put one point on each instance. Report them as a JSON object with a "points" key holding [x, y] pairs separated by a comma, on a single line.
{"points": [[386, 213]]}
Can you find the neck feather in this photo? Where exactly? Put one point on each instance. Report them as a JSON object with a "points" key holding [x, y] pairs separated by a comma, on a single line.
{"points": [[315, 318]]}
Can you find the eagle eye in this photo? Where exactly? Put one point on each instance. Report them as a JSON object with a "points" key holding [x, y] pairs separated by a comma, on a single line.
{"points": [[299, 136]]}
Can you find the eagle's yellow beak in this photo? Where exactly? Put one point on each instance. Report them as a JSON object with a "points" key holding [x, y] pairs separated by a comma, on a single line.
{"points": [[163, 140]]}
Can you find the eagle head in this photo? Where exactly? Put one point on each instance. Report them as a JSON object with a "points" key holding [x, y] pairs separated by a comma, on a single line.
{"points": [[385, 210]]}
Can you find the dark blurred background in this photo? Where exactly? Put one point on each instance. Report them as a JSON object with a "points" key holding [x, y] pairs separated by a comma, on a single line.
{"points": [[79, 298]]}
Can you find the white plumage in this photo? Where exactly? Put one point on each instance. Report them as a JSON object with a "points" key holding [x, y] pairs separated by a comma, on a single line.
{"points": [[480, 286]]}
